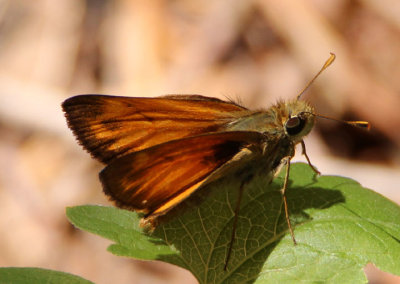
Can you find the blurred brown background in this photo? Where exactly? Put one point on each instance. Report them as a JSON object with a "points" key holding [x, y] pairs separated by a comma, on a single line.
{"points": [[255, 50]]}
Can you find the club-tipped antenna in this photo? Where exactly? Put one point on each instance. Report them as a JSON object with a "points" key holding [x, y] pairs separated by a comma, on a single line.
{"points": [[326, 65], [356, 123]]}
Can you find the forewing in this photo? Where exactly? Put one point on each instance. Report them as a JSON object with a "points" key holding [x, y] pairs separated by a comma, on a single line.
{"points": [[156, 179], [110, 127]]}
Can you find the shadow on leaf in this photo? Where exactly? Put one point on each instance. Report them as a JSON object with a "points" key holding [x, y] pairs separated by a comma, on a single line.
{"points": [[200, 228]]}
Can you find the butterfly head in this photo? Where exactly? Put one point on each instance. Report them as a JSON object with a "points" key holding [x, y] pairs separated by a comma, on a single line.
{"points": [[297, 119], [298, 116]]}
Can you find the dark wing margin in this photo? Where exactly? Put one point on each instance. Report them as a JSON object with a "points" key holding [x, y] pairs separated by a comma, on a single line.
{"points": [[109, 127], [156, 179]]}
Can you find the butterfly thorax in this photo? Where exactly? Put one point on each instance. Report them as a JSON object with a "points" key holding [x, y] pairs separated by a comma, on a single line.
{"points": [[291, 120]]}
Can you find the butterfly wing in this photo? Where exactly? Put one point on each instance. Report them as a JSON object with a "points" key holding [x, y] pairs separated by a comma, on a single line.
{"points": [[110, 127], [157, 178]]}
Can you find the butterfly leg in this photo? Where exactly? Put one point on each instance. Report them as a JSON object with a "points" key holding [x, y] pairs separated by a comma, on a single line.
{"points": [[303, 146], [283, 190], [235, 220]]}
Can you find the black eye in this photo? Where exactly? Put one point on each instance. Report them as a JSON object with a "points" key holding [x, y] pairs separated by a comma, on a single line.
{"points": [[295, 125]]}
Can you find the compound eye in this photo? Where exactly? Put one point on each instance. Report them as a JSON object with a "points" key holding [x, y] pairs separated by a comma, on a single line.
{"points": [[295, 125]]}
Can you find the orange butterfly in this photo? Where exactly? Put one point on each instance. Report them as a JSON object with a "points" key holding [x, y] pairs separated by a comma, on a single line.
{"points": [[158, 151]]}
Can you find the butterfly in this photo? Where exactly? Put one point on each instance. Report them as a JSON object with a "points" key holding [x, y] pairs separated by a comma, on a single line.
{"points": [[159, 151]]}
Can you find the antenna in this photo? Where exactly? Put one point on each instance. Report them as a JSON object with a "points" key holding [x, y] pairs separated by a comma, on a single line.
{"points": [[356, 123], [326, 65]]}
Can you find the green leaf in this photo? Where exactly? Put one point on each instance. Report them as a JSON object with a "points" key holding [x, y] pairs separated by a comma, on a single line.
{"points": [[339, 227], [16, 275], [122, 227]]}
